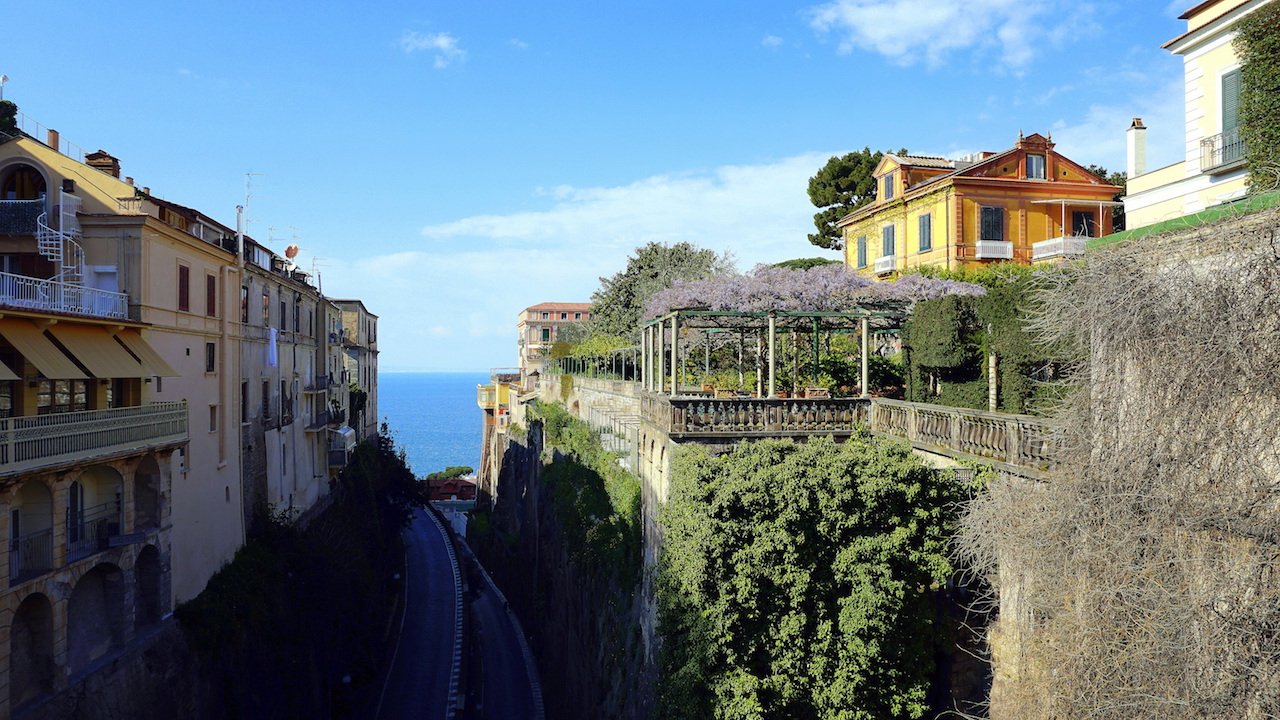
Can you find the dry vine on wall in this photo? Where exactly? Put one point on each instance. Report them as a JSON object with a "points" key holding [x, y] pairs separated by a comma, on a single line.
{"points": [[1142, 580]]}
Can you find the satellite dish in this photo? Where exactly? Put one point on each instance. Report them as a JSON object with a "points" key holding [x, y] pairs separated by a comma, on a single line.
{"points": [[291, 251]]}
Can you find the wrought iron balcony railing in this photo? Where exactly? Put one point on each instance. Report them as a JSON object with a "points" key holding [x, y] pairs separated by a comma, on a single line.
{"points": [[42, 440], [1222, 152], [20, 291], [30, 555], [91, 530]]}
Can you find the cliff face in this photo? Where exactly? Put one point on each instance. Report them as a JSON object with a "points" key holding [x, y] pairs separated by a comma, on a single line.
{"points": [[584, 623]]}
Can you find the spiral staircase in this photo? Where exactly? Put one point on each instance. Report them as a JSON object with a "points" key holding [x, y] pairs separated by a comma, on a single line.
{"points": [[62, 244]]}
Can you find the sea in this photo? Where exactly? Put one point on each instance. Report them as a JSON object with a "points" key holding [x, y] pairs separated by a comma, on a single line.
{"points": [[433, 417]]}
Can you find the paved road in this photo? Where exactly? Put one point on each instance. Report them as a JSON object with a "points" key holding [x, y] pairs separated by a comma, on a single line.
{"points": [[500, 687], [417, 684]]}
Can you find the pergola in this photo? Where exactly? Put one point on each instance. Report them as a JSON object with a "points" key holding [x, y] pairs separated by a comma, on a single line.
{"points": [[660, 337]]}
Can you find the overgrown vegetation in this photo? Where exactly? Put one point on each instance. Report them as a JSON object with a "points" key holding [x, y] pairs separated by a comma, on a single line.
{"points": [[947, 341], [1140, 581], [296, 610], [597, 503], [1258, 45], [799, 581]]}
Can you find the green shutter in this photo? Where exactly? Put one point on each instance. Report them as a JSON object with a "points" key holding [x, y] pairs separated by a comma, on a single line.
{"points": [[926, 232], [1230, 100]]}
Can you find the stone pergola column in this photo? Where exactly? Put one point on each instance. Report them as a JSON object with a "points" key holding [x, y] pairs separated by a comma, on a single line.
{"points": [[675, 353], [644, 358], [773, 358], [866, 351], [660, 357]]}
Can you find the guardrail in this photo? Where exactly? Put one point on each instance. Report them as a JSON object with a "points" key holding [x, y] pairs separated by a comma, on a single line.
{"points": [[40, 440], [31, 293], [1014, 439]]}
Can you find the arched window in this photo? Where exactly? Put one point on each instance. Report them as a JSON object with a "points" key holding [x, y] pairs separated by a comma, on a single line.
{"points": [[22, 182]]}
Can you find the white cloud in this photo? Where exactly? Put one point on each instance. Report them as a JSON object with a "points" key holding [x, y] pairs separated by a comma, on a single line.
{"points": [[1100, 136], [909, 31], [452, 305], [771, 41], [519, 44], [444, 45]]}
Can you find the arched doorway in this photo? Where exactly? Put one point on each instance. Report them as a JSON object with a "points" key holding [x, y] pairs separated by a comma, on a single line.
{"points": [[97, 616], [31, 651], [95, 510], [150, 599], [30, 531], [146, 494]]}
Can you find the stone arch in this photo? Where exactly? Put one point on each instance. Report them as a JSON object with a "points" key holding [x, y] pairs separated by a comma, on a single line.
{"points": [[150, 595], [31, 667], [30, 531], [98, 617], [95, 510], [146, 494]]}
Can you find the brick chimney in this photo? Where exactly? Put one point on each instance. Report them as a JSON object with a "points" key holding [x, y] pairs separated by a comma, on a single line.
{"points": [[53, 139], [104, 161], [1137, 141]]}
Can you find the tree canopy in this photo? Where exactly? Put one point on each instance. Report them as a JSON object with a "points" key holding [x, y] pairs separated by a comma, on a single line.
{"points": [[843, 185], [617, 304], [1258, 46], [806, 263], [796, 581], [1120, 180]]}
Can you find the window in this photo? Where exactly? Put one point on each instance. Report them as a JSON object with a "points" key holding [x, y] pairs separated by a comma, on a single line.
{"points": [[297, 313], [244, 401], [184, 288], [992, 224], [886, 241], [564, 316], [244, 304], [546, 316], [862, 251], [266, 308], [1083, 224], [213, 418], [210, 295], [577, 316], [283, 313], [926, 232], [887, 193], [1035, 166], [546, 334], [1230, 101], [210, 357], [266, 399]]}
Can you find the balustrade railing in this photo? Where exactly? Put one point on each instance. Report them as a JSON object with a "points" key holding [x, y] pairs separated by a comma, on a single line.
{"points": [[1015, 439], [91, 530], [1222, 150], [50, 295], [30, 555], [39, 440]]}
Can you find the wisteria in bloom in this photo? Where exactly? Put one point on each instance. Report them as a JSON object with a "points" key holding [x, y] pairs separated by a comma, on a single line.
{"points": [[827, 288]]}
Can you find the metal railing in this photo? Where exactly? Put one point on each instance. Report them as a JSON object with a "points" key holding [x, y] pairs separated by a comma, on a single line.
{"points": [[886, 263], [1221, 150], [29, 126], [994, 249], [30, 555], [91, 530], [32, 293], [39, 440], [1058, 247]]}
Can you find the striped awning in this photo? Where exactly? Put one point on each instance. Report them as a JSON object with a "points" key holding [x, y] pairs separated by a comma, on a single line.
{"points": [[97, 350], [39, 350], [132, 339]]}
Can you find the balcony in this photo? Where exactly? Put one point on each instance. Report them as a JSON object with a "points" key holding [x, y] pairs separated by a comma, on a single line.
{"points": [[30, 555], [993, 250], [91, 530], [18, 217], [43, 440], [1222, 153], [28, 293], [319, 383], [885, 264], [1058, 247], [337, 457], [486, 396]]}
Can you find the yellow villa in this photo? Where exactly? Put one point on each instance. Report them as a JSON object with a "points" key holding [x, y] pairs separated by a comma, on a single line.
{"points": [[1213, 169], [1028, 204]]}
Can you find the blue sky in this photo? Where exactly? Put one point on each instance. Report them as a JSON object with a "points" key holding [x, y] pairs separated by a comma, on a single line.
{"points": [[451, 163]]}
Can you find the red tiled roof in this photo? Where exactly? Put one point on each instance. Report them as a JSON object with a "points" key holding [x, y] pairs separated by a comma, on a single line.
{"points": [[561, 306]]}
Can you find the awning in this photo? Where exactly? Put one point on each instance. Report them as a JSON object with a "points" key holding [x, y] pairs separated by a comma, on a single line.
{"points": [[37, 348], [149, 357], [97, 350], [7, 374]]}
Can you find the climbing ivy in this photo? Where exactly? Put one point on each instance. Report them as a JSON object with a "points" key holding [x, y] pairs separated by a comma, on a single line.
{"points": [[1258, 45], [797, 581]]}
